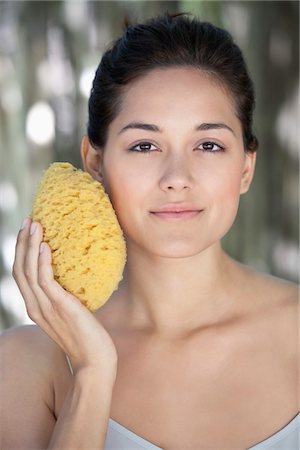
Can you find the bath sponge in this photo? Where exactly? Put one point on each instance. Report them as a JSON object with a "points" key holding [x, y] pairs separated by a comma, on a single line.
{"points": [[81, 227]]}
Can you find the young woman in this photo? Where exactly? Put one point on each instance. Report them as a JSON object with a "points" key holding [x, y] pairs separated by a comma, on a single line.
{"points": [[194, 350]]}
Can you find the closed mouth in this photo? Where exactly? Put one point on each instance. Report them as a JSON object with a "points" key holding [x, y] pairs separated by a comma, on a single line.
{"points": [[186, 214]]}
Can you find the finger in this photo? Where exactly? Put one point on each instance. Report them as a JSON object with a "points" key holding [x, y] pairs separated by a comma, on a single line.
{"points": [[20, 248], [18, 270], [60, 299], [31, 257], [36, 301], [61, 305], [43, 305]]}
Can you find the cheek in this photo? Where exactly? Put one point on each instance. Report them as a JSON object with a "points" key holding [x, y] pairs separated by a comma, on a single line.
{"points": [[224, 197], [229, 189], [225, 179], [127, 191]]}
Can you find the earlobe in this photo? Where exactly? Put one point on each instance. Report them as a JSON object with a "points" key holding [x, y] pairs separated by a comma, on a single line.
{"points": [[248, 172], [91, 159]]}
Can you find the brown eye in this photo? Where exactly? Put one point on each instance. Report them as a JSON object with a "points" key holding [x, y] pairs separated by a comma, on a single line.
{"points": [[142, 147], [210, 146]]}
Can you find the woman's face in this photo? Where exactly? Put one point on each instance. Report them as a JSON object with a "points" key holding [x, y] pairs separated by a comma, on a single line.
{"points": [[176, 140]]}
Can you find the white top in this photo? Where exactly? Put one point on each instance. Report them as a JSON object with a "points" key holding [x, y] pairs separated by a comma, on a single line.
{"points": [[120, 438]]}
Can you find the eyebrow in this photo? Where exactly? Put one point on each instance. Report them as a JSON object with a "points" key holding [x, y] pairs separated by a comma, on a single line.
{"points": [[213, 126], [151, 127]]}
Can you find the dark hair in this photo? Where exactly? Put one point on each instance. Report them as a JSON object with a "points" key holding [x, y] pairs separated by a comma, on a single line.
{"points": [[168, 41]]}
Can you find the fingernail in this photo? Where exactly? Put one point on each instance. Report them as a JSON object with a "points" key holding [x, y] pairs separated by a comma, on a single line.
{"points": [[24, 223], [33, 227], [42, 247]]}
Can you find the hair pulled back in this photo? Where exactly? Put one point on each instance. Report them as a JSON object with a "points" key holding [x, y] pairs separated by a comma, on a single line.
{"points": [[162, 42]]}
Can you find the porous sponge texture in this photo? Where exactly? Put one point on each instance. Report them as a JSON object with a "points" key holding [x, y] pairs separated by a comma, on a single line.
{"points": [[81, 227]]}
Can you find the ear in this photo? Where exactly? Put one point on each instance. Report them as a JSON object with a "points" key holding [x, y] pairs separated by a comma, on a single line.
{"points": [[91, 159], [248, 171]]}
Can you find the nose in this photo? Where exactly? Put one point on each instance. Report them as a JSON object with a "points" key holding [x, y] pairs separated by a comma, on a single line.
{"points": [[176, 176]]}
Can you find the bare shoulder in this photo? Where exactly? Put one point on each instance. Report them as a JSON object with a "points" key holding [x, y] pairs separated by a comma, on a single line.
{"points": [[29, 344], [30, 336], [273, 290], [29, 364], [286, 290], [281, 299], [29, 354], [276, 303]]}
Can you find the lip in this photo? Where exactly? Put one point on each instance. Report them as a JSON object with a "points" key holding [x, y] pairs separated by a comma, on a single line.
{"points": [[176, 215], [177, 211], [176, 208]]}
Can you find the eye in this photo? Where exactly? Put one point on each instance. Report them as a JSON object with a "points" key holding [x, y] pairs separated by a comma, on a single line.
{"points": [[211, 146], [142, 147]]}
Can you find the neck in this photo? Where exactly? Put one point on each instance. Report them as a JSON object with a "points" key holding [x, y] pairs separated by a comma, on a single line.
{"points": [[176, 296]]}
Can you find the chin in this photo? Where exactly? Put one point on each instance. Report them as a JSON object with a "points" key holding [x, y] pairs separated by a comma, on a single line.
{"points": [[177, 244], [176, 250]]}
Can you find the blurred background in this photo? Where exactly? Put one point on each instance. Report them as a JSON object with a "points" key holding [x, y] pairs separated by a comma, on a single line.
{"points": [[49, 51]]}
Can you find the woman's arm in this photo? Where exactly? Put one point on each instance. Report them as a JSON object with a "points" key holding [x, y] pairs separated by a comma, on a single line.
{"points": [[27, 402], [82, 423], [83, 420]]}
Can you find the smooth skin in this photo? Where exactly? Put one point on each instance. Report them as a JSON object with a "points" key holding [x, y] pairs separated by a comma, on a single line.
{"points": [[33, 272], [27, 355], [207, 348]]}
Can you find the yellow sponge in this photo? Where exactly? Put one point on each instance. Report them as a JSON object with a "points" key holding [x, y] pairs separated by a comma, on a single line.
{"points": [[82, 230]]}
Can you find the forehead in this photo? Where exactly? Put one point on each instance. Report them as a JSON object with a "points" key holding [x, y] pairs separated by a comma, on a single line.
{"points": [[171, 93]]}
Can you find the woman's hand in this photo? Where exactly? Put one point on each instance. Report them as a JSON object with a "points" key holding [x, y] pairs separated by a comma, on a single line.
{"points": [[60, 314]]}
